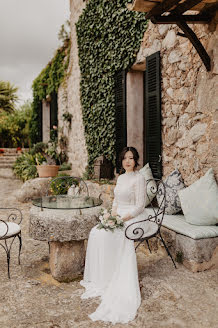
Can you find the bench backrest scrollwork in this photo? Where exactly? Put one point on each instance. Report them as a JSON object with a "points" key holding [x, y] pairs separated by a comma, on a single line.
{"points": [[154, 188]]}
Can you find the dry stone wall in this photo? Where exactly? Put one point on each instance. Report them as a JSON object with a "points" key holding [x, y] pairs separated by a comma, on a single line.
{"points": [[189, 98], [69, 100]]}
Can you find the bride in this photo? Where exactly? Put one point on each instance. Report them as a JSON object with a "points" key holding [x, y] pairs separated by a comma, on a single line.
{"points": [[111, 267]]}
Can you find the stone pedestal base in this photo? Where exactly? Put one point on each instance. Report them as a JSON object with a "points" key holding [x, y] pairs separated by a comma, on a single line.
{"points": [[66, 259]]}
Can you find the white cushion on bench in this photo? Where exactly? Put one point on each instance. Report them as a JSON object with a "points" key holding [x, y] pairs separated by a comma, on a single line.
{"points": [[178, 224]]}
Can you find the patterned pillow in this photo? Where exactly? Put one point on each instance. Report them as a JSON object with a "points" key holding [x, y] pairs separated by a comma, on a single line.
{"points": [[147, 174], [173, 183]]}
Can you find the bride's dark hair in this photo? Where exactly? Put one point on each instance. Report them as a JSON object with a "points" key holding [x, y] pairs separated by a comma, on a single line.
{"points": [[122, 155]]}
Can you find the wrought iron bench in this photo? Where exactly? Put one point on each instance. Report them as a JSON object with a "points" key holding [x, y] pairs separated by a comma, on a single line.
{"points": [[150, 227]]}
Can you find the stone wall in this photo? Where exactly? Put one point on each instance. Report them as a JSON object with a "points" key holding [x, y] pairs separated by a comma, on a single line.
{"points": [[189, 98], [69, 100]]}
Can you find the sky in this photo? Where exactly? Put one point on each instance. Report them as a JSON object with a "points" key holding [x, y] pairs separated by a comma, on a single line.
{"points": [[28, 39]]}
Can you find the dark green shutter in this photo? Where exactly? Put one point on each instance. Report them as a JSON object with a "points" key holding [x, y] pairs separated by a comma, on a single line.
{"points": [[120, 104], [153, 113], [53, 110]]}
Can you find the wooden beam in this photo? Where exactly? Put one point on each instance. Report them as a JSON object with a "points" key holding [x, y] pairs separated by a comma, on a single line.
{"points": [[142, 5], [184, 6], [161, 7], [172, 19], [196, 43]]}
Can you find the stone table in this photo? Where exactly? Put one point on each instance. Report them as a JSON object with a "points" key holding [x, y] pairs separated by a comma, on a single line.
{"points": [[65, 230]]}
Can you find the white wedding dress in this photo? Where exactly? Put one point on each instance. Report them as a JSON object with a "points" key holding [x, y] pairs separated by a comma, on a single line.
{"points": [[111, 267]]}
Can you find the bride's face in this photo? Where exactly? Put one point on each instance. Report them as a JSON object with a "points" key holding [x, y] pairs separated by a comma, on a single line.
{"points": [[128, 162]]}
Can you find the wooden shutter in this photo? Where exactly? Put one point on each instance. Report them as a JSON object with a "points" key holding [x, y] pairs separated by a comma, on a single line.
{"points": [[153, 114], [120, 106], [53, 110]]}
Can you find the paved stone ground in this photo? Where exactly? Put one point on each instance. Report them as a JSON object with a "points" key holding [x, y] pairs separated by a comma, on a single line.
{"points": [[33, 299]]}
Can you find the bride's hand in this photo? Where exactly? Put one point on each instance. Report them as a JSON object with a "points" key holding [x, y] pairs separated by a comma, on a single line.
{"points": [[114, 212], [126, 217]]}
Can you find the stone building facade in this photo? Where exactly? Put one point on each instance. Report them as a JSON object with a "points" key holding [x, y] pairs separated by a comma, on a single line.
{"points": [[69, 100], [189, 100]]}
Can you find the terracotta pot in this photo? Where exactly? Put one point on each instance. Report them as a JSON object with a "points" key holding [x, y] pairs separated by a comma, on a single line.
{"points": [[46, 171]]}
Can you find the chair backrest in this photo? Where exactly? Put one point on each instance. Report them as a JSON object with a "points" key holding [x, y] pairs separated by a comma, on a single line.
{"points": [[11, 214], [155, 188], [62, 185]]}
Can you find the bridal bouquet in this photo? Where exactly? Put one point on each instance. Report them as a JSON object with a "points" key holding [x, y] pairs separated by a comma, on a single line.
{"points": [[109, 221]]}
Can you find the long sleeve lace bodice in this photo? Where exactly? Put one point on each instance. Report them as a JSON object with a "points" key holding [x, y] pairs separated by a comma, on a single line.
{"points": [[130, 190]]}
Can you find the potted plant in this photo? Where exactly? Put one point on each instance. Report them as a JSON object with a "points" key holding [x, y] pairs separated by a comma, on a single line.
{"points": [[1, 152], [48, 161], [19, 150]]}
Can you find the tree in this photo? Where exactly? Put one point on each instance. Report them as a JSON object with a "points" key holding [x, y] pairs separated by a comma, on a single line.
{"points": [[15, 126], [8, 96]]}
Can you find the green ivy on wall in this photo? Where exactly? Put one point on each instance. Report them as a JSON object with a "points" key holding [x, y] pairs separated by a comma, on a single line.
{"points": [[45, 84], [109, 37]]}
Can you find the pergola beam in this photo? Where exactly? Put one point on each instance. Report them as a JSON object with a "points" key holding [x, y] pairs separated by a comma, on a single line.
{"points": [[161, 7], [196, 43], [172, 19], [187, 5]]}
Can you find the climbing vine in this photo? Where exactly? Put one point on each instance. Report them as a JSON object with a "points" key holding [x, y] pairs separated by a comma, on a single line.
{"points": [[109, 37], [47, 83]]}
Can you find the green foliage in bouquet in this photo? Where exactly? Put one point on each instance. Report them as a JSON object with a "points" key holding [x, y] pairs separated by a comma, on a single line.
{"points": [[109, 221], [109, 37]]}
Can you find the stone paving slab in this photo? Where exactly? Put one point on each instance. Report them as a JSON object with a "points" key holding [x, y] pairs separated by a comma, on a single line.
{"points": [[33, 299]]}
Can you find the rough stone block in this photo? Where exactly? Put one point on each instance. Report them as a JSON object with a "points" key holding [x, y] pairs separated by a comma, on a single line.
{"points": [[32, 189], [67, 260], [197, 254]]}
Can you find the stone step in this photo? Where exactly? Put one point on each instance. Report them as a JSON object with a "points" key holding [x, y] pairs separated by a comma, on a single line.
{"points": [[7, 162], [6, 157], [6, 165], [9, 155], [13, 151]]}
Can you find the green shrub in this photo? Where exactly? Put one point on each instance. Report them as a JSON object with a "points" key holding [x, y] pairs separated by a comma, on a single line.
{"points": [[61, 186], [65, 167], [179, 257], [25, 167]]}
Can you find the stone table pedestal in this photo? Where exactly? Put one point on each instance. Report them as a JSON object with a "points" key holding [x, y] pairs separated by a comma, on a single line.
{"points": [[65, 230]]}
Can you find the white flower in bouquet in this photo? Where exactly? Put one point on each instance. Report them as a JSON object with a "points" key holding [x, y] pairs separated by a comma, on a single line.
{"points": [[109, 221]]}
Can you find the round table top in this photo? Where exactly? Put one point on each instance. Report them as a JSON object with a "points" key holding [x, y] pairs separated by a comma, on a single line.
{"points": [[67, 202]]}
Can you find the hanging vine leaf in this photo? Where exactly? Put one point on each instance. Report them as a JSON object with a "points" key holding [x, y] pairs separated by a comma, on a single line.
{"points": [[109, 37], [47, 82]]}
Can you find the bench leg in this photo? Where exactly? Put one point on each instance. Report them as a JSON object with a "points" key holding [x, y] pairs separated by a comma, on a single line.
{"points": [[20, 246], [168, 252], [148, 245]]}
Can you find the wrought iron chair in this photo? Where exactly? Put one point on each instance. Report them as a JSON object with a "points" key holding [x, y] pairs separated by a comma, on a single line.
{"points": [[9, 230], [137, 232]]}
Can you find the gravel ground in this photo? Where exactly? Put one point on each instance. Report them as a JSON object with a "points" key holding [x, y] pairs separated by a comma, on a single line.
{"points": [[33, 299]]}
